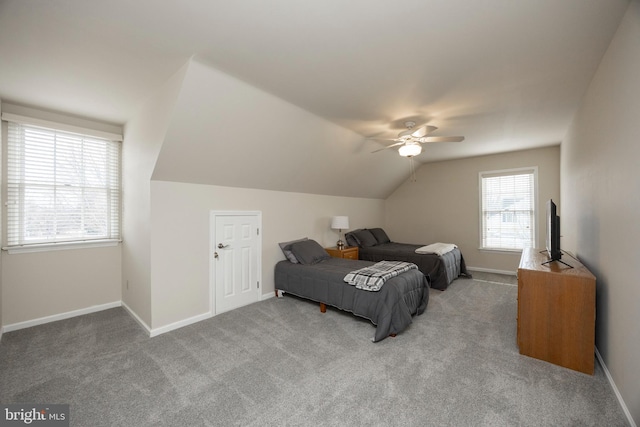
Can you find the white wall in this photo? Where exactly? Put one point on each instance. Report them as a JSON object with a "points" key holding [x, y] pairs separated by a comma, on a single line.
{"points": [[2, 138], [37, 285], [180, 236], [143, 137], [601, 201], [216, 117], [41, 284], [224, 131], [442, 205]]}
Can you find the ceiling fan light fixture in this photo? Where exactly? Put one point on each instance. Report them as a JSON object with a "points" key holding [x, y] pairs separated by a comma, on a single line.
{"points": [[410, 150]]}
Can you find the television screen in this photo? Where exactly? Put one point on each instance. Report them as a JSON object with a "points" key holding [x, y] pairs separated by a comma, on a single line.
{"points": [[553, 232]]}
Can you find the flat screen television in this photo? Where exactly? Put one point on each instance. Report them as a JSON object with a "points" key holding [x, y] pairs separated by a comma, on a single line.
{"points": [[553, 232]]}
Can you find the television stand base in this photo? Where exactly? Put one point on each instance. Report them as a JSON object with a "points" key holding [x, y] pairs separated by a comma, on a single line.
{"points": [[561, 262]]}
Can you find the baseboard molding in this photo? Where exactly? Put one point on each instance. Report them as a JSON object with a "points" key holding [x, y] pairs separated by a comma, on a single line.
{"points": [[180, 324], [93, 309], [267, 296], [164, 329], [491, 270], [632, 423], [136, 318], [195, 319], [61, 316]]}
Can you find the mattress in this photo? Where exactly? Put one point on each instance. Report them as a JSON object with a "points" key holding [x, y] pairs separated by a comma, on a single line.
{"points": [[390, 309]]}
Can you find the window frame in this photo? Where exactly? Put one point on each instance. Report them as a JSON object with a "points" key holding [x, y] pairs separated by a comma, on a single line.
{"points": [[60, 244], [533, 170]]}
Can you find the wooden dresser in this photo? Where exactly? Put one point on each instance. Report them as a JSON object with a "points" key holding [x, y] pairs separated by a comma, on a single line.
{"points": [[350, 252], [556, 311]]}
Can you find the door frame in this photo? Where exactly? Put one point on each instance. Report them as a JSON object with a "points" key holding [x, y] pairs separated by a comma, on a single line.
{"points": [[213, 215]]}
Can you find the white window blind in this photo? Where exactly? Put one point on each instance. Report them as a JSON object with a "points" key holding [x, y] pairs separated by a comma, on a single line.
{"points": [[507, 209], [61, 187]]}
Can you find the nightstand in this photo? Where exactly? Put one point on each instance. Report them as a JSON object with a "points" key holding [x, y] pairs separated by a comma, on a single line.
{"points": [[349, 252]]}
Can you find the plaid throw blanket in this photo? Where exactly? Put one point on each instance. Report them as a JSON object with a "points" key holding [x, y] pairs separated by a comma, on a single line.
{"points": [[372, 278]]}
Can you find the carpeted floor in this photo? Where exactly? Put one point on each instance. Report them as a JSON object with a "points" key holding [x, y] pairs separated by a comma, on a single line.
{"points": [[282, 362]]}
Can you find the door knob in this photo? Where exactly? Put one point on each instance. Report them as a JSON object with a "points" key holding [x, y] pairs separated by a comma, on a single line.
{"points": [[221, 246]]}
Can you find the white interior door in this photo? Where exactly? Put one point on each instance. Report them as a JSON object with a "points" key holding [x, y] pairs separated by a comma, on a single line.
{"points": [[236, 245]]}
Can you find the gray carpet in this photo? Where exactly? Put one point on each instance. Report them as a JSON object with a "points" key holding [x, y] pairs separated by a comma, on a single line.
{"points": [[282, 362]]}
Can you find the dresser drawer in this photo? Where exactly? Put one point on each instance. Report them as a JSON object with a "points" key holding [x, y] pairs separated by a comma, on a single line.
{"points": [[350, 254]]}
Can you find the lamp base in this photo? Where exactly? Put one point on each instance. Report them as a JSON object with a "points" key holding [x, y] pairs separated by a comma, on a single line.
{"points": [[340, 244]]}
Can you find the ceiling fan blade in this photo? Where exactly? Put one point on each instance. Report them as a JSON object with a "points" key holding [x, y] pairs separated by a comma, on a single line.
{"points": [[442, 139], [423, 131], [385, 139], [389, 146]]}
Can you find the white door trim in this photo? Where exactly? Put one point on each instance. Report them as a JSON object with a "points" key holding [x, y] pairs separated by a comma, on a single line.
{"points": [[212, 249]]}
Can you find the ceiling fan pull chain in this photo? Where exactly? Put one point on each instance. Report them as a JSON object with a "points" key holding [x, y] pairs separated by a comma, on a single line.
{"points": [[412, 170]]}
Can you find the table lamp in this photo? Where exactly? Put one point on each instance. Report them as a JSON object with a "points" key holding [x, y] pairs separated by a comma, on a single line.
{"points": [[340, 223]]}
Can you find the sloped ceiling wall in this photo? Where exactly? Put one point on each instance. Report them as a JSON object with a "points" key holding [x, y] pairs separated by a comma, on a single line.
{"points": [[226, 132]]}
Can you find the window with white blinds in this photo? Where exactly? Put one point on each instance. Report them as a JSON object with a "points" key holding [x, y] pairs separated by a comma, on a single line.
{"points": [[507, 209], [61, 187]]}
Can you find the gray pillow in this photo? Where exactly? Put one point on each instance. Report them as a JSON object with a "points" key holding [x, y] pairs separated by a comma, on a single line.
{"points": [[380, 235], [365, 238], [286, 249], [351, 239], [309, 252]]}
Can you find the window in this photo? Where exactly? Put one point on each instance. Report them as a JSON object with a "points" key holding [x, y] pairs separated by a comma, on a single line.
{"points": [[507, 209], [62, 187]]}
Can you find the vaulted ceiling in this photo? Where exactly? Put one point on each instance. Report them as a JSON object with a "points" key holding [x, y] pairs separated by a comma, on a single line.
{"points": [[508, 75]]}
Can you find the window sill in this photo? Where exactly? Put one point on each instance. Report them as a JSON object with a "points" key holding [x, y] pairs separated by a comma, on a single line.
{"points": [[502, 250], [60, 246]]}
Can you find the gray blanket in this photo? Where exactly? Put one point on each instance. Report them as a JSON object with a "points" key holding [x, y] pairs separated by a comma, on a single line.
{"points": [[390, 309], [441, 270]]}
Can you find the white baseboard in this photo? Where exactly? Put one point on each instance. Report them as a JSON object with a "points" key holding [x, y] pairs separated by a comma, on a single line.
{"points": [[164, 329], [615, 390], [180, 324], [61, 316], [267, 296], [192, 320], [93, 309], [136, 318], [491, 270], [186, 322]]}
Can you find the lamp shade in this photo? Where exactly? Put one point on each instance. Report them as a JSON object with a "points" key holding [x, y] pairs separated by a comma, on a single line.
{"points": [[410, 150], [340, 222]]}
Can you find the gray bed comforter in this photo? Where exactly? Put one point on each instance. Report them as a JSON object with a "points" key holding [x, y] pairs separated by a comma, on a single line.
{"points": [[441, 270], [390, 309]]}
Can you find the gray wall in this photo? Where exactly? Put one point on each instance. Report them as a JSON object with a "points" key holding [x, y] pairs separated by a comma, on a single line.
{"points": [[601, 199], [442, 205]]}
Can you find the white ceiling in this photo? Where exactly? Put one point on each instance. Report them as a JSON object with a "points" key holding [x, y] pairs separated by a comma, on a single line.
{"points": [[505, 74]]}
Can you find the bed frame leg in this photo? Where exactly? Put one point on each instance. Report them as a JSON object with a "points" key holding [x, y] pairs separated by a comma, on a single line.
{"points": [[393, 335], [323, 307]]}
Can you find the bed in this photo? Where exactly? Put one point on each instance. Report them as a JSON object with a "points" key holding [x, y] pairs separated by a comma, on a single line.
{"points": [[320, 278], [375, 245]]}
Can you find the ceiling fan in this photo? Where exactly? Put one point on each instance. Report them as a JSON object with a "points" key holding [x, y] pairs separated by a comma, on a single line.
{"points": [[409, 141]]}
